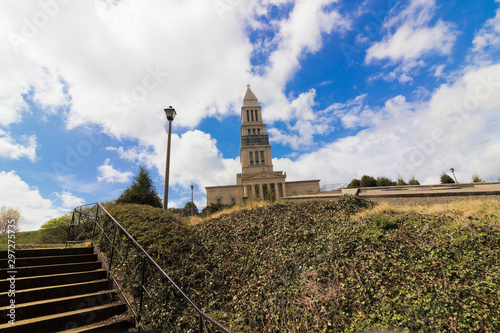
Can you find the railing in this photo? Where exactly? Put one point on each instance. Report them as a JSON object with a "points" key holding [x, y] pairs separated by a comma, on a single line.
{"points": [[155, 300], [331, 187]]}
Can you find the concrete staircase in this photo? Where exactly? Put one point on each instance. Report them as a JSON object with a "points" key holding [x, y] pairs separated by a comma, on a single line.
{"points": [[60, 290]]}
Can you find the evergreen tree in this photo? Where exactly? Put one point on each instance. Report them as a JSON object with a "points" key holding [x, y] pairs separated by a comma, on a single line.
{"points": [[401, 181], [186, 211], [446, 179], [141, 191], [413, 181]]}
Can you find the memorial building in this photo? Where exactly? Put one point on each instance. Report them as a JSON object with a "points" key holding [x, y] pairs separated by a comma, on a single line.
{"points": [[257, 179]]}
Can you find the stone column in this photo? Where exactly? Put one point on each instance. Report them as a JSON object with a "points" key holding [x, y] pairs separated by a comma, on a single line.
{"points": [[261, 190]]}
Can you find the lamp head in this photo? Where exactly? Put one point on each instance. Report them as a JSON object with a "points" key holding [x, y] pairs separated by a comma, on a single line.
{"points": [[170, 113]]}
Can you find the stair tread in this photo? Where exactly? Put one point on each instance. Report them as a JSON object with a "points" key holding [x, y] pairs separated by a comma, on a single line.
{"points": [[53, 300], [113, 321], [56, 275], [62, 314], [41, 266], [56, 286]]}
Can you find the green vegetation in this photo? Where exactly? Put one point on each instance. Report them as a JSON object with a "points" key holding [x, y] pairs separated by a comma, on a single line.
{"points": [[215, 207], [55, 230], [354, 183], [141, 191], [413, 181], [446, 179], [477, 179], [186, 211], [368, 181], [342, 266]]}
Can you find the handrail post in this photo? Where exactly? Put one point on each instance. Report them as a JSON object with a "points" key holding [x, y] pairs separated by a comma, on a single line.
{"points": [[112, 248], [143, 271], [93, 227], [201, 323]]}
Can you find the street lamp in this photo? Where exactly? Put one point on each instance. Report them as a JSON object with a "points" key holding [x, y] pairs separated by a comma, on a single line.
{"points": [[192, 187], [170, 113], [453, 173]]}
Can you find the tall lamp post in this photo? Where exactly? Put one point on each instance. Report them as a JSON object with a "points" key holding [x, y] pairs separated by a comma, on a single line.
{"points": [[170, 113], [453, 173], [192, 209]]}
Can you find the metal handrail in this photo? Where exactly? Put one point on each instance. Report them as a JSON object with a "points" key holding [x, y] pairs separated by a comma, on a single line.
{"points": [[203, 317]]}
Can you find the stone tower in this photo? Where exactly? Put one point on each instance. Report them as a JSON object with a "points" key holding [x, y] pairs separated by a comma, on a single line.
{"points": [[257, 179]]}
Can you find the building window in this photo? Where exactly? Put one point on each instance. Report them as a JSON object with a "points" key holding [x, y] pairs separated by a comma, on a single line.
{"points": [[219, 201], [249, 132], [251, 158], [254, 131], [256, 117], [251, 114], [258, 131], [262, 157], [256, 158], [233, 200], [248, 116]]}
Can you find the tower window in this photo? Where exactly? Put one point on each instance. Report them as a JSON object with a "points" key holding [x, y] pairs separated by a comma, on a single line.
{"points": [[249, 132], [262, 157], [248, 116], [256, 158], [251, 114], [258, 131], [254, 131], [256, 116], [251, 158]]}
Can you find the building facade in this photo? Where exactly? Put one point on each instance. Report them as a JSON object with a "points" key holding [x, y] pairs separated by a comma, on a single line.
{"points": [[257, 179]]}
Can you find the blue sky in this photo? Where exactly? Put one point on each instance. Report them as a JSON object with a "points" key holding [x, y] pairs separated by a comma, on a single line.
{"points": [[384, 88]]}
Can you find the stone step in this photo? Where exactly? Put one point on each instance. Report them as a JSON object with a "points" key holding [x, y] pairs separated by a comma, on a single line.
{"points": [[21, 272], [51, 292], [48, 252], [64, 304], [53, 279], [118, 324], [66, 320], [49, 260]]}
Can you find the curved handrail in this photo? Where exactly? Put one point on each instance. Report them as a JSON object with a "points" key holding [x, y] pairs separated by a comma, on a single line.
{"points": [[116, 224]]}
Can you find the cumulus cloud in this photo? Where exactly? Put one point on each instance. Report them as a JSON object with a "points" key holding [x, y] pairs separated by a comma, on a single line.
{"points": [[456, 127], [410, 38], [111, 175], [9, 149], [68, 200], [488, 36], [35, 210]]}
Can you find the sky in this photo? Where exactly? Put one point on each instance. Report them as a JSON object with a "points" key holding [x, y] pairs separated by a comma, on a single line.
{"points": [[347, 88]]}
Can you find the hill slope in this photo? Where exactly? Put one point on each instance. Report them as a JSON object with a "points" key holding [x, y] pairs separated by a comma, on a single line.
{"points": [[314, 267]]}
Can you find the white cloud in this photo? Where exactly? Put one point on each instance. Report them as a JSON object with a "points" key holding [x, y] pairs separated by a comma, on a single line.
{"points": [[35, 210], [9, 149], [109, 174], [488, 36], [457, 127], [410, 38], [68, 200]]}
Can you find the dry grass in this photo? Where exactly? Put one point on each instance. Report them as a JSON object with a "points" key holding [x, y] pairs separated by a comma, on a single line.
{"points": [[471, 208], [251, 204]]}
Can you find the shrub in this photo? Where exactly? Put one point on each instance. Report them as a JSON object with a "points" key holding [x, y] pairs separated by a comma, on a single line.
{"points": [[354, 183], [384, 181], [215, 207], [477, 179], [55, 231], [141, 191], [413, 181], [401, 181], [446, 179], [368, 181]]}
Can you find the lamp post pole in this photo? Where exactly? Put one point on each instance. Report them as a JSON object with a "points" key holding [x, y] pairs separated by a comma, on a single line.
{"points": [[453, 173], [192, 187], [170, 113]]}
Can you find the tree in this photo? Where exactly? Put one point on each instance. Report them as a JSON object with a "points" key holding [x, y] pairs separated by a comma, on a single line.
{"points": [[368, 181], [477, 179], [401, 181], [354, 183], [141, 191], [446, 179], [413, 181], [9, 219], [186, 211], [384, 181], [55, 230]]}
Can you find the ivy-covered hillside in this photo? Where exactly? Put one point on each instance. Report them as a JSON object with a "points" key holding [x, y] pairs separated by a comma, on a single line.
{"points": [[323, 267]]}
